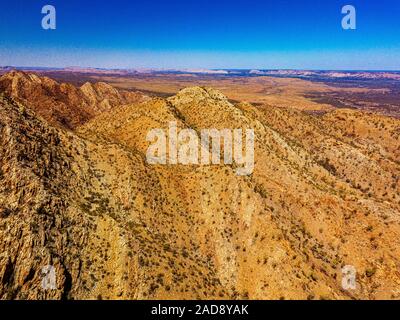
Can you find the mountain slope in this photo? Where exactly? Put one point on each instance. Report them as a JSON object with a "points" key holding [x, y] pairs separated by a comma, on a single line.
{"points": [[115, 226], [63, 104], [310, 187]]}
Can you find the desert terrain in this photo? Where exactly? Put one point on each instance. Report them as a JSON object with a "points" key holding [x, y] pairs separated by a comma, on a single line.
{"points": [[311, 91], [77, 193]]}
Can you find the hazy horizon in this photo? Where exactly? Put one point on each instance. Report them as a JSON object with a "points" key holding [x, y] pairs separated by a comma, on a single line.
{"points": [[192, 70]]}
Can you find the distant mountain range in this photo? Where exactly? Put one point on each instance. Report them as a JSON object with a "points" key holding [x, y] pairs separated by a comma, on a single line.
{"points": [[321, 74]]}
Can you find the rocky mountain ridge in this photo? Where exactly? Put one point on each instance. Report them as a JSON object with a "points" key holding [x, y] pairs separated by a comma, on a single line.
{"points": [[324, 194], [64, 104]]}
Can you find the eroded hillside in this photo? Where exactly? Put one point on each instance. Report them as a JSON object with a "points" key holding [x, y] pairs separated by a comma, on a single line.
{"points": [[63, 104], [324, 194]]}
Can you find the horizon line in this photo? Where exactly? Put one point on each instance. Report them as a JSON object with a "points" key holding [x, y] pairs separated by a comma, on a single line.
{"points": [[192, 69]]}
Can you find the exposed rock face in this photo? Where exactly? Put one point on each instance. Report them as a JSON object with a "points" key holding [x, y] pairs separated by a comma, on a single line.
{"points": [[63, 104], [324, 194]]}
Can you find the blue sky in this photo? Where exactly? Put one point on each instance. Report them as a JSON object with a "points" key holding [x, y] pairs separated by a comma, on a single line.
{"points": [[302, 34]]}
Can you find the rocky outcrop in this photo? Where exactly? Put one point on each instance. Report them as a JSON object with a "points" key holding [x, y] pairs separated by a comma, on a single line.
{"points": [[63, 104]]}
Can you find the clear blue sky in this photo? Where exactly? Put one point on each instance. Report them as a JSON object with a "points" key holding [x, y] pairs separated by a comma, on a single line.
{"points": [[304, 34]]}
